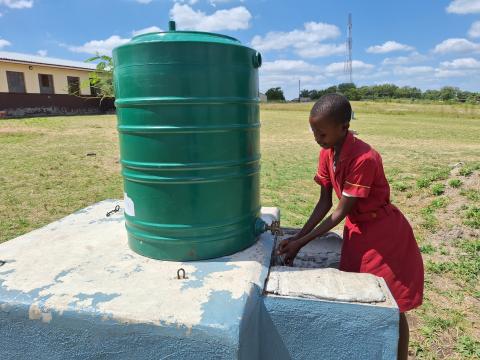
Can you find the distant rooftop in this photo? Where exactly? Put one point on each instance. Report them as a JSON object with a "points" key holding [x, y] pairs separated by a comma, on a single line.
{"points": [[42, 60]]}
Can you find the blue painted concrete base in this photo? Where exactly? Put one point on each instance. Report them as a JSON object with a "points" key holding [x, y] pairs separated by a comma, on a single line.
{"points": [[74, 290], [312, 329]]}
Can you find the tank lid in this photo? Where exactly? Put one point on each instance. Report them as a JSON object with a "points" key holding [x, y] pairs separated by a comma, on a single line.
{"points": [[177, 36]]}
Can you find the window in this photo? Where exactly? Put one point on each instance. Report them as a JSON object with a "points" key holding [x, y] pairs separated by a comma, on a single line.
{"points": [[16, 82], [46, 83], [73, 85], [94, 90]]}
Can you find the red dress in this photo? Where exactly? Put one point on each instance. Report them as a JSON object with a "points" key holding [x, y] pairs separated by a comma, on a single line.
{"points": [[377, 239]]}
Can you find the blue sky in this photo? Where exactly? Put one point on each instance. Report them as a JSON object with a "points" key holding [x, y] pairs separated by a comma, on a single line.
{"points": [[423, 43]]}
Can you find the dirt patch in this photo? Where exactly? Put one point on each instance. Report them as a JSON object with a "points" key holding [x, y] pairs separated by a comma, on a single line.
{"points": [[13, 130], [451, 227]]}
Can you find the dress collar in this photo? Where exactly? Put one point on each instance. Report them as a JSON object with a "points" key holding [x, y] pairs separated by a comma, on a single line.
{"points": [[347, 147]]}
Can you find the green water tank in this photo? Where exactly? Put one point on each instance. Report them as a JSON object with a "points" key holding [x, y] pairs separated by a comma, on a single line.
{"points": [[188, 122]]}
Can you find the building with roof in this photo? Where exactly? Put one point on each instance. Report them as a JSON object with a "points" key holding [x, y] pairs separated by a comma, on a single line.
{"points": [[31, 85], [30, 74]]}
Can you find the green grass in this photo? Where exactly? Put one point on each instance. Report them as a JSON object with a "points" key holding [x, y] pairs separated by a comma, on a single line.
{"points": [[427, 249], [400, 186], [428, 213], [472, 217], [438, 189], [466, 268], [432, 174], [45, 175], [468, 347], [471, 194], [468, 169], [455, 183]]}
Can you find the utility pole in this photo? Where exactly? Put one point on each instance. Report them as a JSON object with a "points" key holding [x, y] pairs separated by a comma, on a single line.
{"points": [[298, 90]]}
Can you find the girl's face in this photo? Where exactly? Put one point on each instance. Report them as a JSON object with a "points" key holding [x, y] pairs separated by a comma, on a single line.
{"points": [[327, 132]]}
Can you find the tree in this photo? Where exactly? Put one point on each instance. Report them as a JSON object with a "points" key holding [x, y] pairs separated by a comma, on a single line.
{"points": [[330, 90], [314, 94], [448, 93], [344, 87], [101, 79], [352, 94], [275, 94], [408, 92], [431, 95], [349, 90], [305, 93]]}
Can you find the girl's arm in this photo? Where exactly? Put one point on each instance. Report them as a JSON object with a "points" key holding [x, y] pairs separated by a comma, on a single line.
{"points": [[323, 206], [291, 248]]}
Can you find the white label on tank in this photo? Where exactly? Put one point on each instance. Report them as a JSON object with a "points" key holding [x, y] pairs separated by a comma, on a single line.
{"points": [[129, 205]]}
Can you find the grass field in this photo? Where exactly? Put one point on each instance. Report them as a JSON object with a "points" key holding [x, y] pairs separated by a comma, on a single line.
{"points": [[431, 155]]}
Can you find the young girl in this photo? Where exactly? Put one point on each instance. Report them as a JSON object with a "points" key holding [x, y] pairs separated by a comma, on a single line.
{"points": [[377, 239]]}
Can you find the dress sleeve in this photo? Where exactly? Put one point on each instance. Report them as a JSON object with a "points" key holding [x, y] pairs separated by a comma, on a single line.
{"points": [[360, 178], [322, 177]]}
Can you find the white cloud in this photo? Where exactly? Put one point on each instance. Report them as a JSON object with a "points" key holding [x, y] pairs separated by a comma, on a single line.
{"points": [[467, 68], [4, 43], [288, 66], [312, 34], [102, 47], [321, 50], [447, 73], [357, 66], [413, 70], [403, 60], [237, 18], [464, 7], [17, 4], [215, 2], [389, 46], [287, 73], [42, 53], [462, 63], [474, 31], [146, 30], [456, 45], [191, 2]]}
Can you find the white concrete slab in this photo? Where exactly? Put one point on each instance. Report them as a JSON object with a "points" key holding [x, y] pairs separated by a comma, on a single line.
{"points": [[325, 284]]}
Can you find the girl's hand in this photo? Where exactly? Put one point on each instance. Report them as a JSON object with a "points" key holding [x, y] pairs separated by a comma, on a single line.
{"points": [[289, 248]]}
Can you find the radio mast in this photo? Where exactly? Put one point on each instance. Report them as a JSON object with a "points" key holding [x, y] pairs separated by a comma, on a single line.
{"points": [[348, 48]]}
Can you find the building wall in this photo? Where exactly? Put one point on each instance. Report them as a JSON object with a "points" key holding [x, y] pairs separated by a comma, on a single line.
{"points": [[24, 105], [31, 77]]}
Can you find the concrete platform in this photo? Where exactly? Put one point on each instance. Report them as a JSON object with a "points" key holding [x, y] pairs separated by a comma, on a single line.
{"points": [[73, 289]]}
